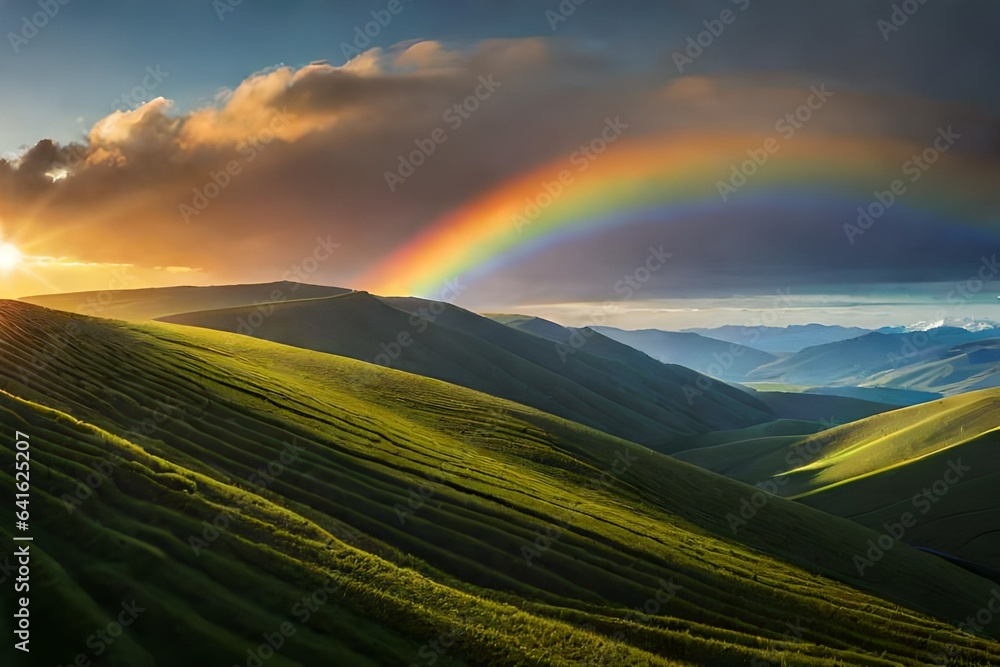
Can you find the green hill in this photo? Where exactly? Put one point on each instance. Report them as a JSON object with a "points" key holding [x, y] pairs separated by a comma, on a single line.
{"points": [[448, 526], [815, 407], [599, 383], [908, 461]]}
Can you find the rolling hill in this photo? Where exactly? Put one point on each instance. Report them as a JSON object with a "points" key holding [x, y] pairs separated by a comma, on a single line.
{"points": [[601, 383], [939, 462], [234, 491], [154, 302]]}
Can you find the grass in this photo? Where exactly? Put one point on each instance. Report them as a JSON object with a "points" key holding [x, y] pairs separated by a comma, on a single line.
{"points": [[191, 414], [599, 382], [876, 469]]}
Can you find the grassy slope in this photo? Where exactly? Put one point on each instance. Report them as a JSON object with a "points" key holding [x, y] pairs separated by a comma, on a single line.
{"points": [[873, 470], [148, 304], [369, 437], [620, 391]]}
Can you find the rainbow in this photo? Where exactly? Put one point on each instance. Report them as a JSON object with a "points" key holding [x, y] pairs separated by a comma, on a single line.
{"points": [[668, 179]]}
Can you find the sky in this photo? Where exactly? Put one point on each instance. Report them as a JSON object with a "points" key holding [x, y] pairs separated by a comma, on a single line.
{"points": [[579, 161]]}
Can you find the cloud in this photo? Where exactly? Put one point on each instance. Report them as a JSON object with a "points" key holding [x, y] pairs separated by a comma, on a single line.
{"points": [[295, 154]]}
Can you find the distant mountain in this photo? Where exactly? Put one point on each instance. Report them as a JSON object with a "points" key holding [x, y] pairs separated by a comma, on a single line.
{"points": [[956, 369], [713, 357], [903, 361], [785, 405], [782, 340], [600, 383], [154, 302]]}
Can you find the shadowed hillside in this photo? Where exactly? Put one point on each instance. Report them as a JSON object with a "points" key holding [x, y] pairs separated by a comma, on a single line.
{"points": [[597, 382]]}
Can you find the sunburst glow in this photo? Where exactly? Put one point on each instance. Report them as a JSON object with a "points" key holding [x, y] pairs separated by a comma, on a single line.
{"points": [[10, 257]]}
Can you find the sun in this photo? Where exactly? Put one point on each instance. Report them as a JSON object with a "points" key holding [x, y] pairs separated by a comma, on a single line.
{"points": [[10, 257]]}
